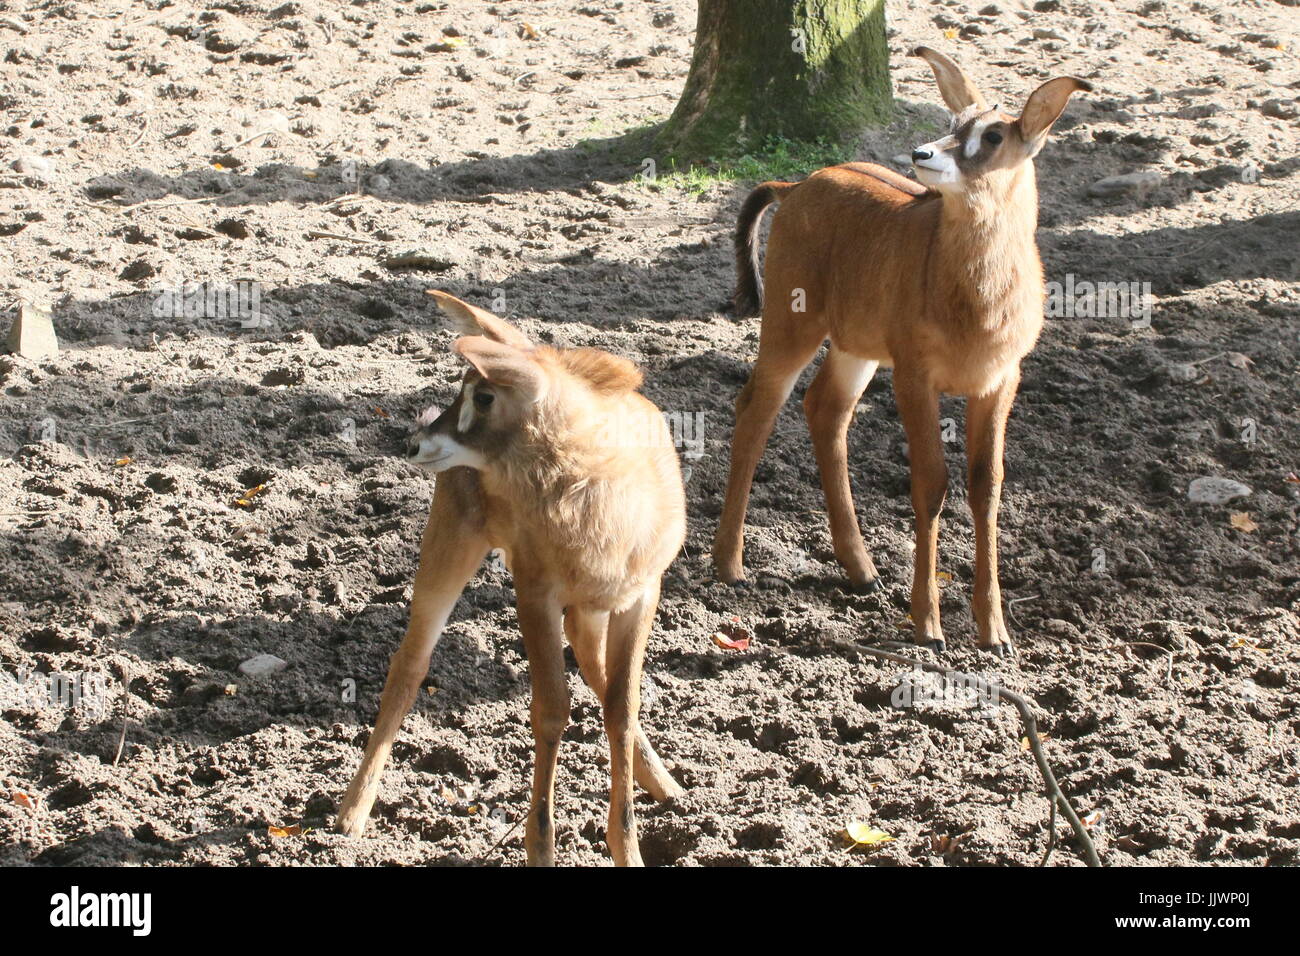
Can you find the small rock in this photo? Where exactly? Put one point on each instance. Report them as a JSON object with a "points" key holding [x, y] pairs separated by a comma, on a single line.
{"points": [[1279, 109], [1216, 491], [263, 665], [32, 334], [286, 375], [234, 228], [140, 269], [39, 167], [1113, 186], [902, 159]]}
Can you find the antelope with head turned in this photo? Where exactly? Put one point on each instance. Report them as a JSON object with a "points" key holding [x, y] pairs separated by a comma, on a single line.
{"points": [[527, 462], [942, 281]]}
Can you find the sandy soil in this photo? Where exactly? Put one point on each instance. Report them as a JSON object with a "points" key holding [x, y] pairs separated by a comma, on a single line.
{"points": [[1167, 679]]}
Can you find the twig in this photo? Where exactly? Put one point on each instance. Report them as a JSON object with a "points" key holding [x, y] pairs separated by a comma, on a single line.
{"points": [[1011, 604], [1054, 792], [255, 136], [1151, 565], [346, 197], [1051, 838], [488, 856], [126, 700], [1169, 663], [143, 129], [149, 203], [128, 421], [316, 234], [158, 349]]}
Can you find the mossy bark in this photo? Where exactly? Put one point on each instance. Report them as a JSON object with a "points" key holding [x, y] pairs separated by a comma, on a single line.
{"points": [[797, 69]]}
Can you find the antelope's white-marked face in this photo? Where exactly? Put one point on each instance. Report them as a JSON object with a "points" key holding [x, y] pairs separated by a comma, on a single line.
{"points": [[439, 442], [977, 142]]}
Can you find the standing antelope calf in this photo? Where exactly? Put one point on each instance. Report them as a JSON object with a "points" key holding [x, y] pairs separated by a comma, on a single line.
{"points": [[943, 282], [529, 461]]}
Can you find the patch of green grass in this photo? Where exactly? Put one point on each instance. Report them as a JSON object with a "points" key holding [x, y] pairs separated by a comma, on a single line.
{"points": [[776, 159]]}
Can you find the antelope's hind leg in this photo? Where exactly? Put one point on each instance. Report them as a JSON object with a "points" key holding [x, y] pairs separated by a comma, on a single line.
{"points": [[587, 632], [828, 406], [787, 343]]}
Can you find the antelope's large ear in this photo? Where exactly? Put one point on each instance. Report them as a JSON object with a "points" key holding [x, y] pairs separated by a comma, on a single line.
{"points": [[1044, 106], [956, 88], [503, 365], [470, 320]]}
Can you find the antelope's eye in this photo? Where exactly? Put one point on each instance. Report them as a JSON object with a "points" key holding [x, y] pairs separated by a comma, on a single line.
{"points": [[993, 137], [483, 400]]}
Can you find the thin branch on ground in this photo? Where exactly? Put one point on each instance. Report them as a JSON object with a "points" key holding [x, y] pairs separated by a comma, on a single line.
{"points": [[126, 713], [497, 845], [1054, 792]]}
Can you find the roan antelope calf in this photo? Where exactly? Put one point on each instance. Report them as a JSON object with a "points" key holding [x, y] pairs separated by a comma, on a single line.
{"points": [[528, 462], [940, 280]]}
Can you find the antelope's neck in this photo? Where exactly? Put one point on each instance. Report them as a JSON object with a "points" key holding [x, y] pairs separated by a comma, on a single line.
{"points": [[987, 253]]}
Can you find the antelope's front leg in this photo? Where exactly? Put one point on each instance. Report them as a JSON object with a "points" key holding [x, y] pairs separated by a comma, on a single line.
{"points": [[918, 406], [451, 550], [542, 625], [986, 421]]}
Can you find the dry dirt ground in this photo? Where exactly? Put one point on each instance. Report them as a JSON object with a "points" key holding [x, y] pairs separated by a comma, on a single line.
{"points": [[306, 145]]}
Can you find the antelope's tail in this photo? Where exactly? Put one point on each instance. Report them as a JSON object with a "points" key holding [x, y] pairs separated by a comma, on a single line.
{"points": [[747, 300]]}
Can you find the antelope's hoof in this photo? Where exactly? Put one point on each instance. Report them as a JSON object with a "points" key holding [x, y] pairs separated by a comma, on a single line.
{"points": [[1004, 650], [349, 827], [869, 586], [938, 646], [728, 573]]}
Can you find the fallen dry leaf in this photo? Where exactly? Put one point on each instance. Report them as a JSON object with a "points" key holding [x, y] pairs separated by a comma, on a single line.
{"points": [[1237, 360], [1024, 741], [247, 497], [23, 800], [122, 462], [294, 830], [1250, 645], [1242, 522], [528, 31], [945, 845], [863, 834], [732, 637], [1092, 820]]}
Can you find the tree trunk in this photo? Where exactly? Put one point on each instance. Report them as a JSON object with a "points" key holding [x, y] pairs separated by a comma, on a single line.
{"points": [[798, 69]]}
